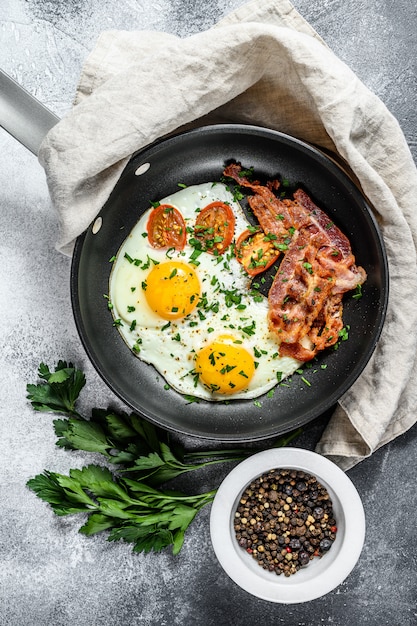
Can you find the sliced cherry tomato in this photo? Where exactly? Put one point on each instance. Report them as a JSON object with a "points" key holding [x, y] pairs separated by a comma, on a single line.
{"points": [[166, 228], [256, 252], [215, 227]]}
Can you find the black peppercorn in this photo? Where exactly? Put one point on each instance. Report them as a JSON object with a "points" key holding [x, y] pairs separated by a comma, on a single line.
{"points": [[284, 519], [325, 544]]}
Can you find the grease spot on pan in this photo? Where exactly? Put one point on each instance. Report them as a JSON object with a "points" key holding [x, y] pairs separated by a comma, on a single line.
{"points": [[97, 225], [142, 169]]}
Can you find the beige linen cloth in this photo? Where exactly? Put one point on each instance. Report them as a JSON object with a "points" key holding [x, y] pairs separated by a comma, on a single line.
{"points": [[264, 65]]}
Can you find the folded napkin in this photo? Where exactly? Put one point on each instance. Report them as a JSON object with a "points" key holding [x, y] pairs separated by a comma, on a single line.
{"points": [[264, 65]]}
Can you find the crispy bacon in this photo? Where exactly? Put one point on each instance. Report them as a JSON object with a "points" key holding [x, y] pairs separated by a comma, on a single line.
{"points": [[323, 333], [318, 267], [299, 290], [271, 213], [334, 248]]}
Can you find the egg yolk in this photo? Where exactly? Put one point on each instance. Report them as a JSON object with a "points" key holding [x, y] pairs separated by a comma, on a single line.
{"points": [[224, 366], [172, 289]]}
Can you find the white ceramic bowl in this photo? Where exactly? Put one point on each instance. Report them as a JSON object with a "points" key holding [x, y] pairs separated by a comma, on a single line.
{"points": [[321, 575]]}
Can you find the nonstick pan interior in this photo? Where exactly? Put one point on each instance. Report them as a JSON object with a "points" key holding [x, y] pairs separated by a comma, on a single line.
{"points": [[199, 156]]}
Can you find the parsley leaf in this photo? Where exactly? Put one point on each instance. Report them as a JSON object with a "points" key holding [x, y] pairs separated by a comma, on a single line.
{"points": [[125, 498], [60, 391]]}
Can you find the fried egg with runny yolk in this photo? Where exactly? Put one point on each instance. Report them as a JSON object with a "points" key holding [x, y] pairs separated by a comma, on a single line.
{"points": [[225, 366], [191, 313], [172, 289]]}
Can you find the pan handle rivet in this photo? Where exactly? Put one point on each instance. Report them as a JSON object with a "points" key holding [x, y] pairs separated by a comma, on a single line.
{"points": [[142, 169], [97, 225]]}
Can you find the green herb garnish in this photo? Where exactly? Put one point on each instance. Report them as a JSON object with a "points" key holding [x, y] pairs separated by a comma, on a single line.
{"points": [[126, 498]]}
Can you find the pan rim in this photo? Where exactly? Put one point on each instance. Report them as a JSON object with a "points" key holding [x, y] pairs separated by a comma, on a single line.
{"points": [[320, 407]]}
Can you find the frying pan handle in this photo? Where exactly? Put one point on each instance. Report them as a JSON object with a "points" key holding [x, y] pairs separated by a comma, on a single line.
{"points": [[22, 115]]}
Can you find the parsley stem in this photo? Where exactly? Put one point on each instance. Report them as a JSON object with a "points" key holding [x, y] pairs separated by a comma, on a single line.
{"points": [[237, 454], [126, 500]]}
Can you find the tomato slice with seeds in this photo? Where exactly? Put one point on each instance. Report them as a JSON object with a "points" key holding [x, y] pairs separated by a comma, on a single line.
{"points": [[166, 228], [215, 227], [255, 251]]}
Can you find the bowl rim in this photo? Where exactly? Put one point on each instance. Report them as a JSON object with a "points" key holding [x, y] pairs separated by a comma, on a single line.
{"points": [[322, 575]]}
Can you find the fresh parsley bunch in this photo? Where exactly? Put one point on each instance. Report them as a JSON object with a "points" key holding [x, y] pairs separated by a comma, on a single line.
{"points": [[126, 497]]}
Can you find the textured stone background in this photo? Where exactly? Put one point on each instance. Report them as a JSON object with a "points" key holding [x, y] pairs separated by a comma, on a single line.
{"points": [[51, 575]]}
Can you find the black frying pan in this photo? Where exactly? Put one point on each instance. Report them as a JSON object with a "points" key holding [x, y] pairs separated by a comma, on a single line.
{"points": [[191, 158], [200, 156]]}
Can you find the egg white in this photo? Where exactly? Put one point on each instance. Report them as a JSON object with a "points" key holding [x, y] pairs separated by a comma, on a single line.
{"points": [[171, 346]]}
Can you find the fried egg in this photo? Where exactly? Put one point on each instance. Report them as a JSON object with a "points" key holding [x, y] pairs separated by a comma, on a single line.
{"points": [[193, 315]]}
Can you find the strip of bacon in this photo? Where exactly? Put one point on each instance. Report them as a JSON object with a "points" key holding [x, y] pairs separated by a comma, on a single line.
{"points": [[299, 291], [305, 299], [334, 248], [271, 213]]}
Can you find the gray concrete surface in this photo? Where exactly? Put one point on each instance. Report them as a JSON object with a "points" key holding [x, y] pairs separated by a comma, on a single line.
{"points": [[49, 574]]}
